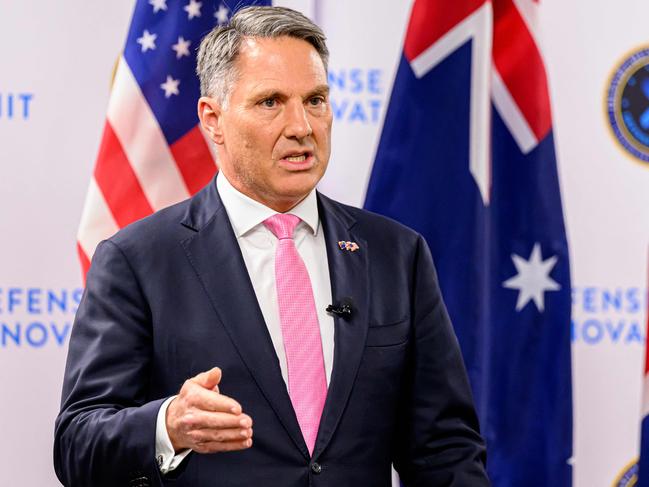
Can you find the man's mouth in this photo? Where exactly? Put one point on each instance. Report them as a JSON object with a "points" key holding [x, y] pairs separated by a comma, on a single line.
{"points": [[298, 160]]}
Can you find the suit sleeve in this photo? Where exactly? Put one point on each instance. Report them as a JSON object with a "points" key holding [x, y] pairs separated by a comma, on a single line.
{"points": [[438, 439], [105, 431]]}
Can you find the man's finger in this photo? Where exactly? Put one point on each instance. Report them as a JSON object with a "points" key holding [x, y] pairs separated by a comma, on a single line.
{"points": [[206, 400], [220, 435], [217, 420], [218, 446], [208, 379]]}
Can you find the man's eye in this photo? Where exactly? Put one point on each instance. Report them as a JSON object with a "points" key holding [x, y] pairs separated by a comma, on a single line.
{"points": [[316, 100], [269, 102]]}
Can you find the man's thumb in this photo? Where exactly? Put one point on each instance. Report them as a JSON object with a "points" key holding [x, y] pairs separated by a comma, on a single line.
{"points": [[209, 379]]}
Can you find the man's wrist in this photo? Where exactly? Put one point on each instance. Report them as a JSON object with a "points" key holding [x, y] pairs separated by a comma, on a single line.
{"points": [[166, 456]]}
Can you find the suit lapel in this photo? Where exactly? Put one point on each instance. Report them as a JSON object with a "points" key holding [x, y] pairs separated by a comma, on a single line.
{"points": [[216, 257], [349, 276]]}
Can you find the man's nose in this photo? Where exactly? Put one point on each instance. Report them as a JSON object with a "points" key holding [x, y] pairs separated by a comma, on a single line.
{"points": [[296, 122]]}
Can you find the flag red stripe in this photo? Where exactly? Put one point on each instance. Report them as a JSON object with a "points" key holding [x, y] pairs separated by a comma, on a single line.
{"points": [[85, 262], [194, 159], [520, 65], [118, 182], [431, 19]]}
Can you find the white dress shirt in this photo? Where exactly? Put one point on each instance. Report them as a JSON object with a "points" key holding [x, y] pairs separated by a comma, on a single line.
{"points": [[258, 245]]}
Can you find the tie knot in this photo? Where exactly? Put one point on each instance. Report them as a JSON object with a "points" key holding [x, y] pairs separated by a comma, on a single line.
{"points": [[282, 225]]}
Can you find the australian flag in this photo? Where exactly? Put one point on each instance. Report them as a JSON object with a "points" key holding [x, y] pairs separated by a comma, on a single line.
{"points": [[467, 158]]}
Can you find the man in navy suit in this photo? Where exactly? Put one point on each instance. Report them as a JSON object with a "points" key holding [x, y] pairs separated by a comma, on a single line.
{"points": [[180, 342]]}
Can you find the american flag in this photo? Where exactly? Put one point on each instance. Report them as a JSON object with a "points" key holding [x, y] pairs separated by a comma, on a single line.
{"points": [[467, 158], [153, 152]]}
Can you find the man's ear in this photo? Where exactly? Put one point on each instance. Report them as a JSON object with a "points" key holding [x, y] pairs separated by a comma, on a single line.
{"points": [[209, 113]]}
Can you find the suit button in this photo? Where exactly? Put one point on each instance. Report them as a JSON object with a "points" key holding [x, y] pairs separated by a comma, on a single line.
{"points": [[139, 482], [316, 468]]}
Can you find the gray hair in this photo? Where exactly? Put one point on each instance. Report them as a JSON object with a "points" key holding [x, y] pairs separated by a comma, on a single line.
{"points": [[220, 48]]}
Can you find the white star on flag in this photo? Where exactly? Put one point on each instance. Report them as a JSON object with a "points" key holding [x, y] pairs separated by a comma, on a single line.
{"points": [[181, 47], [221, 14], [147, 41], [193, 9], [170, 86], [158, 5], [533, 278]]}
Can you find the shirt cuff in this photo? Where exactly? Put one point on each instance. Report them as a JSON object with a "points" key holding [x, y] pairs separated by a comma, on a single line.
{"points": [[165, 455]]}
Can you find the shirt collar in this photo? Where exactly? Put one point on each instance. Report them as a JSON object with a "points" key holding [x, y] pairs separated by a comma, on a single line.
{"points": [[245, 213]]}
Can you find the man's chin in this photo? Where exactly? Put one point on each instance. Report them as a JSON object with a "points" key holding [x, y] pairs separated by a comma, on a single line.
{"points": [[289, 195]]}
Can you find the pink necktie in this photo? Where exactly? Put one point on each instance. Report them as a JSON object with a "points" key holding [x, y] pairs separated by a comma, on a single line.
{"points": [[307, 384]]}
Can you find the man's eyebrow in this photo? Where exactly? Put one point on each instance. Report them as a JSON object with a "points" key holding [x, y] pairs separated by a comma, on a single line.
{"points": [[270, 93], [320, 90]]}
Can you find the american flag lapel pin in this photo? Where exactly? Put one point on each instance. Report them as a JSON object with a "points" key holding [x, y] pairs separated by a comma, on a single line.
{"points": [[347, 245]]}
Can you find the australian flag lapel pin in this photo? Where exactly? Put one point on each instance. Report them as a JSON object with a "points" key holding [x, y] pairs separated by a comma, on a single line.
{"points": [[347, 245]]}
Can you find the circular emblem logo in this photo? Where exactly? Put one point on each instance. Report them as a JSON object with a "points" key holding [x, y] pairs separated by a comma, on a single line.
{"points": [[628, 104], [628, 477]]}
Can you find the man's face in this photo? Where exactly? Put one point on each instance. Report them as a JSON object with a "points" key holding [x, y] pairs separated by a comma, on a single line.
{"points": [[273, 138]]}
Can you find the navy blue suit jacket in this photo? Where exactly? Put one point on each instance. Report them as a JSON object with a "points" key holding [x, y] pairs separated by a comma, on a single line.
{"points": [[169, 297]]}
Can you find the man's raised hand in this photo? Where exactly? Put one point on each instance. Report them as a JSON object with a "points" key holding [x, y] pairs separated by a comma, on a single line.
{"points": [[202, 419]]}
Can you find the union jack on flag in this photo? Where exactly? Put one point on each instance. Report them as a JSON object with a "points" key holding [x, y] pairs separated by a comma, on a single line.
{"points": [[153, 152], [467, 158]]}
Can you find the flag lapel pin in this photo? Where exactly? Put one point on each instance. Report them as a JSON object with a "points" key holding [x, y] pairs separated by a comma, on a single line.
{"points": [[347, 245]]}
